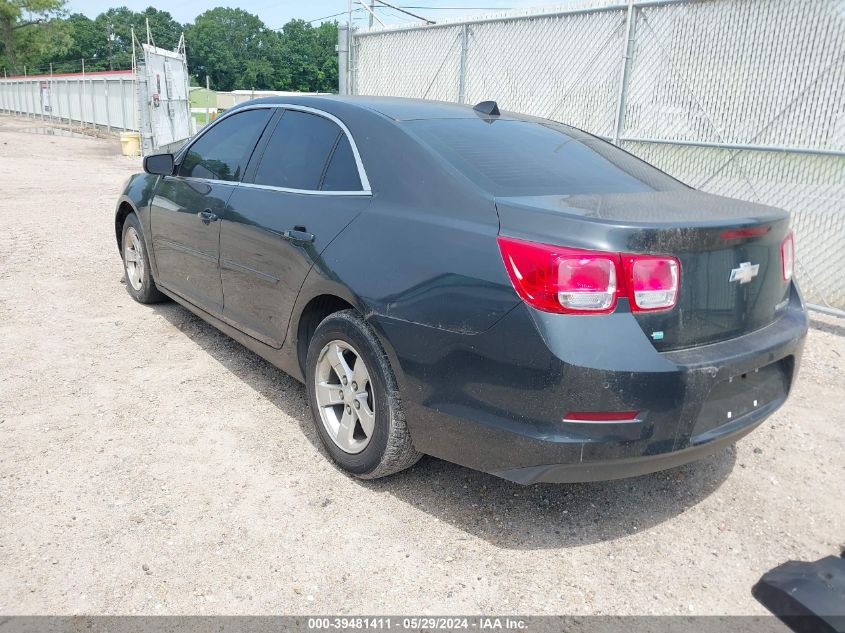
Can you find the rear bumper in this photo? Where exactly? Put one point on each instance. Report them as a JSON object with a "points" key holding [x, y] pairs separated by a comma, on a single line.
{"points": [[641, 465], [495, 401]]}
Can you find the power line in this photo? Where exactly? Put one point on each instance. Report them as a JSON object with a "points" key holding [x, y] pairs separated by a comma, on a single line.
{"points": [[406, 6], [402, 10], [413, 15], [333, 15], [397, 15]]}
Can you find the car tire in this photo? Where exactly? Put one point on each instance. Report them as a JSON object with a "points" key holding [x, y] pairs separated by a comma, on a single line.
{"points": [[136, 263], [366, 446]]}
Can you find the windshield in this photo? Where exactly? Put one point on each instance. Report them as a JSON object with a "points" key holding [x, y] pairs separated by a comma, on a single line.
{"points": [[528, 158]]}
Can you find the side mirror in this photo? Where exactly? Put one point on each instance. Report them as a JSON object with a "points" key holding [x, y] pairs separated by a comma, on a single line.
{"points": [[159, 164]]}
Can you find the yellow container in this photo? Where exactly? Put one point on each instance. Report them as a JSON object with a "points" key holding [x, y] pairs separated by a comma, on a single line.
{"points": [[130, 143]]}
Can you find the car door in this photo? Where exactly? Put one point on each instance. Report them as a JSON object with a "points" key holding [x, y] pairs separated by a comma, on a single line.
{"points": [[307, 185], [186, 208]]}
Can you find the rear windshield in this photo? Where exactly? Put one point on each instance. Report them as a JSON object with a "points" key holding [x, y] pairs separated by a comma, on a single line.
{"points": [[528, 158]]}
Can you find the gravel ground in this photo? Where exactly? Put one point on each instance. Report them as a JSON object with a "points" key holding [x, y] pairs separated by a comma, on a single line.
{"points": [[148, 464]]}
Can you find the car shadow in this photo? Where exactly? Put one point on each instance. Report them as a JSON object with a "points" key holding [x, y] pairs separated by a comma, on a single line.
{"points": [[502, 513], [831, 328]]}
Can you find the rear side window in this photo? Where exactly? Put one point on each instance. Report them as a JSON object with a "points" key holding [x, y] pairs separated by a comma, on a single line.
{"points": [[223, 152], [308, 152], [525, 158], [342, 172]]}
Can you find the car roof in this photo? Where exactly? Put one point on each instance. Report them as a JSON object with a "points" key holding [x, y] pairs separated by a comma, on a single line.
{"points": [[395, 108]]}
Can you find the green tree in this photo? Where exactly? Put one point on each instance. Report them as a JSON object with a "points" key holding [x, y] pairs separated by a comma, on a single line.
{"points": [[326, 36], [232, 47], [298, 55], [306, 59], [114, 48], [165, 30], [19, 16]]}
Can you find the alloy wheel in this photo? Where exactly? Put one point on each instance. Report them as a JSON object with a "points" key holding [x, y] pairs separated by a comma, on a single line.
{"points": [[133, 258], [345, 398]]}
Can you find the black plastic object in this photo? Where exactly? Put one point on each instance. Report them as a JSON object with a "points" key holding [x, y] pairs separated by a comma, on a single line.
{"points": [[487, 107], [807, 597], [159, 164]]}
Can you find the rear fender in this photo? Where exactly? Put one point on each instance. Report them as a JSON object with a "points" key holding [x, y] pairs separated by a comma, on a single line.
{"points": [[318, 283]]}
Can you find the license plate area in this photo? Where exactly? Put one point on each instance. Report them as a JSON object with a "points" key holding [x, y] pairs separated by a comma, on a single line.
{"points": [[732, 399]]}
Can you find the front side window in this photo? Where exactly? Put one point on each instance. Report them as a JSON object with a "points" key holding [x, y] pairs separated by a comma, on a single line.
{"points": [[308, 152], [223, 152]]}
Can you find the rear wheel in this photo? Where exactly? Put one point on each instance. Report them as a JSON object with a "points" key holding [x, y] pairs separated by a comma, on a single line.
{"points": [[136, 264], [355, 400]]}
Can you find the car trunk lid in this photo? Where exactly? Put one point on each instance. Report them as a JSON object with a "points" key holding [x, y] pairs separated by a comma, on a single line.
{"points": [[729, 252]]}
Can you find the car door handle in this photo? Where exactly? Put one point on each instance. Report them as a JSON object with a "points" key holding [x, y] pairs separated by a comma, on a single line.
{"points": [[207, 216], [297, 235]]}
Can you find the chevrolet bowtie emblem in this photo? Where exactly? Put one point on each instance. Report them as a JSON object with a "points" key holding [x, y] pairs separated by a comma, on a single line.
{"points": [[745, 272]]}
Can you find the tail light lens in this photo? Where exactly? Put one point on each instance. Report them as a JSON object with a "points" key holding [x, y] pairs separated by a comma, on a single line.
{"points": [[787, 253], [654, 281], [575, 281], [586, 282]]}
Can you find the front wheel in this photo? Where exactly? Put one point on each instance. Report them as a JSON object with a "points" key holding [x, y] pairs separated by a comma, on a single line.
{"points": [[136, 264], [355, 399]]}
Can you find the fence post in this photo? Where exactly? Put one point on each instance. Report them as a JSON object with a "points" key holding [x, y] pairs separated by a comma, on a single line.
{"points": [[627, 56], [123, 105], [51, 93], [67, 100], [93, 106], [342, 59], [208, 100], [81, 86], [26, 98], [462, 73]]}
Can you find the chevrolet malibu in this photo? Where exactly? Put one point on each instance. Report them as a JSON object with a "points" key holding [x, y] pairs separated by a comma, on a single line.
{"points": [[501, 291]]}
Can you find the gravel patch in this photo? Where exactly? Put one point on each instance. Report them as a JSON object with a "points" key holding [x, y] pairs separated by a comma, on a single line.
{"points": [[149, 464]]}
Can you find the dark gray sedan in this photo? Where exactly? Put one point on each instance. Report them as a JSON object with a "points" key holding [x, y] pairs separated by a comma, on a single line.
{"points": [[504, 292]]}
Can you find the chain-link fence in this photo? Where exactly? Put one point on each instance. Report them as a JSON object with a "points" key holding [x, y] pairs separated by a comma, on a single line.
{"points": [[744, 98]]}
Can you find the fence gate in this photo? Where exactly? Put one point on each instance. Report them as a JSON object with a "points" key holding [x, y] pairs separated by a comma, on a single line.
{"points": [[163, 90], [742, 98]]}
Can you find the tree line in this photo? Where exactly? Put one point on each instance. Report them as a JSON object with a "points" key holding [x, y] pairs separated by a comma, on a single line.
{"points": [[233, 47]]}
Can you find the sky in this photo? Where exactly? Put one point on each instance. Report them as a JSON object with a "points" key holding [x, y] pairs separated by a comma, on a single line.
{"points": [[275, 13]]}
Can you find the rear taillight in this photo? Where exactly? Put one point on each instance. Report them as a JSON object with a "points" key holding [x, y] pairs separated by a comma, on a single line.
{"points": [[558, 279], [576, 281], [654, 281], [787, 256]]}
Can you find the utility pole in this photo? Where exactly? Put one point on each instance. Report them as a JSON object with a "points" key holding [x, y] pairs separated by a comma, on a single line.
{"points": [[111, 40], [342, 58], [372, 10]]}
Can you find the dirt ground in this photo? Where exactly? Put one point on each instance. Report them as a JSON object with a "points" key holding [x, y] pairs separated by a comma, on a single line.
{"points": [[149, 464]]}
